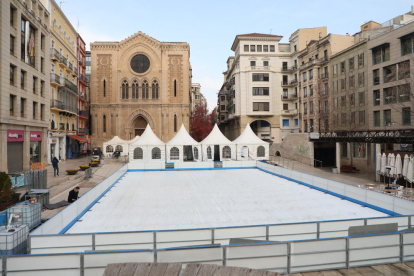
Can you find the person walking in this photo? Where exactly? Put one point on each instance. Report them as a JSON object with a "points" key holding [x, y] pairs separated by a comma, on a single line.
{"points": [[55, 166], [73, 195]]}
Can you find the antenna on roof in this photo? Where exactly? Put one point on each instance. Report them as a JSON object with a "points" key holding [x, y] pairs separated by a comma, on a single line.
{"points": [[62, 2]]}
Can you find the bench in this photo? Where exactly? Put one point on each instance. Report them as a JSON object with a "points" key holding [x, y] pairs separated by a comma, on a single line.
{"points": [[345, 168]]}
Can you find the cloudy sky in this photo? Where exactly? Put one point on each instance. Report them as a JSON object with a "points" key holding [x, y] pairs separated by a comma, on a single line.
{"points": [[210, 26]]}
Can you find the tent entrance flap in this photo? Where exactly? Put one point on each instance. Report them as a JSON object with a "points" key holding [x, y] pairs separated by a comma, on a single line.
{"points": [[216, 153], [188, 153]]}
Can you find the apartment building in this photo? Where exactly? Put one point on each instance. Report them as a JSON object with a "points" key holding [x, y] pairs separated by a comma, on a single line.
{"points": [[24, 91], [197, 98], [63, 85]]}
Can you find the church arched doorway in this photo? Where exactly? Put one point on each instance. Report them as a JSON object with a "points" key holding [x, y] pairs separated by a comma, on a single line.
{"points": [[140, 125]]}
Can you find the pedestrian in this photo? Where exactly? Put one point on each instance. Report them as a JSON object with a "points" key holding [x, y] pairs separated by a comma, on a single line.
{"points": [[55, 166], [73, 195]]}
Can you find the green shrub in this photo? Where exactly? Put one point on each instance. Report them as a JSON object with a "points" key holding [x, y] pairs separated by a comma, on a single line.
{"points": [[7, 194]]}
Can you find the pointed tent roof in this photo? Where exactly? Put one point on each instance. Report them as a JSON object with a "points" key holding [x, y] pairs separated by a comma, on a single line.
{"points": [[148, 138], [133, 139], [216, 137], [182, 138], [248, 137], [116, 140]]}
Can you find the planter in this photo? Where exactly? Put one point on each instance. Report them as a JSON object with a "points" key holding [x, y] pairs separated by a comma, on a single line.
{"points": [[93, 164], [84, 167], [72, 172]]}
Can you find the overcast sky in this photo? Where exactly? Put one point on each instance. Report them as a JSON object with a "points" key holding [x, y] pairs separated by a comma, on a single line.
{"points": [[210, 26]]}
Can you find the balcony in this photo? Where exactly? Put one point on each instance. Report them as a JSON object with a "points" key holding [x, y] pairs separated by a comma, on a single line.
{"points": [[82, 96], [324, 75], [83, 78], [289, 83], [55, 104], [55, 79], [84, 131], [71, 86], [323, 60], [62, 126], [70, 66], [308, 64], [290, 112], [289, 69], [64, 61], [230, 105], [75, 70], [260, 68], [54, 54], [290, 97], [84, 113]]}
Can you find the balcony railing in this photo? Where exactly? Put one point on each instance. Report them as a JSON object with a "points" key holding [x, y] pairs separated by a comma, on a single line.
{"points": [[259, 68], [289, 69], [84, 113], [63, 106], [84, 131], [83, 96], [289, 97], [70, 66], [62, 126], [75, 70], [83, 78], [324, 75], [289, 83], [322, 60], [64, 60], [290, 112], [54, 54], [71, 86], [55, 78], [308, 64]]}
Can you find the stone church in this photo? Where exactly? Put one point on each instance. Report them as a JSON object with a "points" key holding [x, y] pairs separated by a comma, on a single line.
{"points": [[136, 82]]}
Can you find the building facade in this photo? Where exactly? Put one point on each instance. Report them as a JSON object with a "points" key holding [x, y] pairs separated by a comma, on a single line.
{"points": [[197, 98], [136, 82], [24, 84]]}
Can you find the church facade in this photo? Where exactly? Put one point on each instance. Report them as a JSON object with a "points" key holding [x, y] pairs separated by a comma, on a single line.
{"points": [[136, 82]]}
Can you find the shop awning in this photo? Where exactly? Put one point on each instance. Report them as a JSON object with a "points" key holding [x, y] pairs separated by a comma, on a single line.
{"points": [[80, 139]]}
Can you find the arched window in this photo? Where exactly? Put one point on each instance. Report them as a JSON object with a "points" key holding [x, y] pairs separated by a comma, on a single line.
{"points": [[174, 153], [145, 88], [109, 149], [175, 88], [260, 151], [104, 88], [104, 123], [135, 90], [209, 152], [119, 148], [196, 153], [138, 154], [125, 88], [175, 123], [156, 153], [155, 89], [226, 152]]}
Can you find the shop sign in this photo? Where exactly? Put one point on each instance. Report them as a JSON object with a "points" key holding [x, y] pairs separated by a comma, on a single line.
{"points": [[54, 141], [35, 136], [15, 135]]}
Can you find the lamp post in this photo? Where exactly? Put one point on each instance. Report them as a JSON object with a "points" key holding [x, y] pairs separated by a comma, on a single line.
{"points": [[388, 168]]}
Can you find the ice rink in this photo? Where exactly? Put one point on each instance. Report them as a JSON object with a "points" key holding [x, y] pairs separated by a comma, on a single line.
{"points": [[211, 198]]}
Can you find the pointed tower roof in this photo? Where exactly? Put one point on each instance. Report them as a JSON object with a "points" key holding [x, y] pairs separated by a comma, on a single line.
{"points": [[148, 138], [216, 137], [182, 138], [248, 137]]}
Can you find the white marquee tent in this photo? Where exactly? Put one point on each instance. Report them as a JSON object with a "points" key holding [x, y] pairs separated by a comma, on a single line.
{"points": [[216, 144], [148, 148], [251, 147], [182, 147], [133, 140], [115, 144]]}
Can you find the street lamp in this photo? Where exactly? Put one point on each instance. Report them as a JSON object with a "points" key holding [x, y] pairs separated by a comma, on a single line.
{"points": [[388, 168]]}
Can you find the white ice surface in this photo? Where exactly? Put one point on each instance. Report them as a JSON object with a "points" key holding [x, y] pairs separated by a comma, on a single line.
{"points": [[211, 198]]}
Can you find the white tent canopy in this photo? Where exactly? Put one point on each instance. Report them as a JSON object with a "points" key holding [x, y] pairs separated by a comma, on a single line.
{"points": [[133, 140], [115, 144], [249, 146], [148, 148], [183, 147], [217, 141]]}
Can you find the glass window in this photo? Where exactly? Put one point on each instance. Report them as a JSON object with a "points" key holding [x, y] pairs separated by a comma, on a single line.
{"points": [[119, 148], [259, 48], [226, 152], [285, 122], [377, 97], [404, 70], [35, 152], [156, 153], [387, 117], [361, 60], [296, 122], [272, 48], [359, 150], [335, 70], [406, 116], [174, 153], [404, 93], [260, 106], [260, 91], [265, 48], [138, 153], [260, 151], [381, 54], [351, 63], [246, 48], [362, 117], [196, 153], [252, 48], [260, 77], [344, 149], [265, 63], [110, 149], [407, 44], [390, 73], [209, 152], [377, 118], [390, 95], [252, 63]]}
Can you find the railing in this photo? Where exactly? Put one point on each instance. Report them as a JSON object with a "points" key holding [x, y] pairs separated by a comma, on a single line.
{"points": [[83, 96], [75, 70], [289, 69], [54, 78], [84, 131], [63, 106], [70, 66], [71, 86], [322, 60], [308, 64], [84, 113], [315, 162], [289, 83], [290, 97], [291, 112], [83, 78], [324, 75], [259, 68], [61, 126], [63, 60]]}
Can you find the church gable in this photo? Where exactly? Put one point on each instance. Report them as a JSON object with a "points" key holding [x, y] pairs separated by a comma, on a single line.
{"points": [[139, 37]]}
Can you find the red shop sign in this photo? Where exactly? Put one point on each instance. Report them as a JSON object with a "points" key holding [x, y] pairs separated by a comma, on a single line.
{"points": [[35, 136], [15, 135]]}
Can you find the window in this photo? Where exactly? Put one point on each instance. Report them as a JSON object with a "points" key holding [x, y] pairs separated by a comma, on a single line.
{"points": [[12, 69], [335, 86], [195, 153], [145, 90], [359, 150], [406, 116], [174, 153], [111, 149], [305, 108], [272, 48], [285, 106], [42, 42], [259, 48], [23, 40], [260, 77], [326, 107], [311, 107], [22, 79], [209, 152], [390, 73], [343, 119], [119, 148], [343, 84], [260, 151], [34, 110], [376, 77], [296, 122], [22, 107], [265, 48], [104, 123], [361, 79], [343, 67], [42, 112], [265, 63], [351, 64], [175, 122], [310, 90], [135, 90], [311, 74], [407, 44], [252, 63], [223, 98], [344, 149], [260, 91], [175, 88], [246, 48], [404, 93], [362, 117], [12, 104], [404, 70], [285, 122], [361, 98], [377, 118], [155, 89], [226, 152], [305, 92], [361, 60], [377, 97], [252, 48], [104, 89], [390, 95], [335, 70], [352, 99], [305, 78], [222, 107], [12, 39], [260, 106], [387, 117], [351, 82], [42, 65], [138, 153], [381, 54], [12, 16], [34, 85], [294, 48], [156, 153], [343, 101], [125, 88]]}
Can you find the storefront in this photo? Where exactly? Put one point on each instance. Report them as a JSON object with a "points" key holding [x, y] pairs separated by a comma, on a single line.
{"points": [[15, 140], [35, 146]]}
